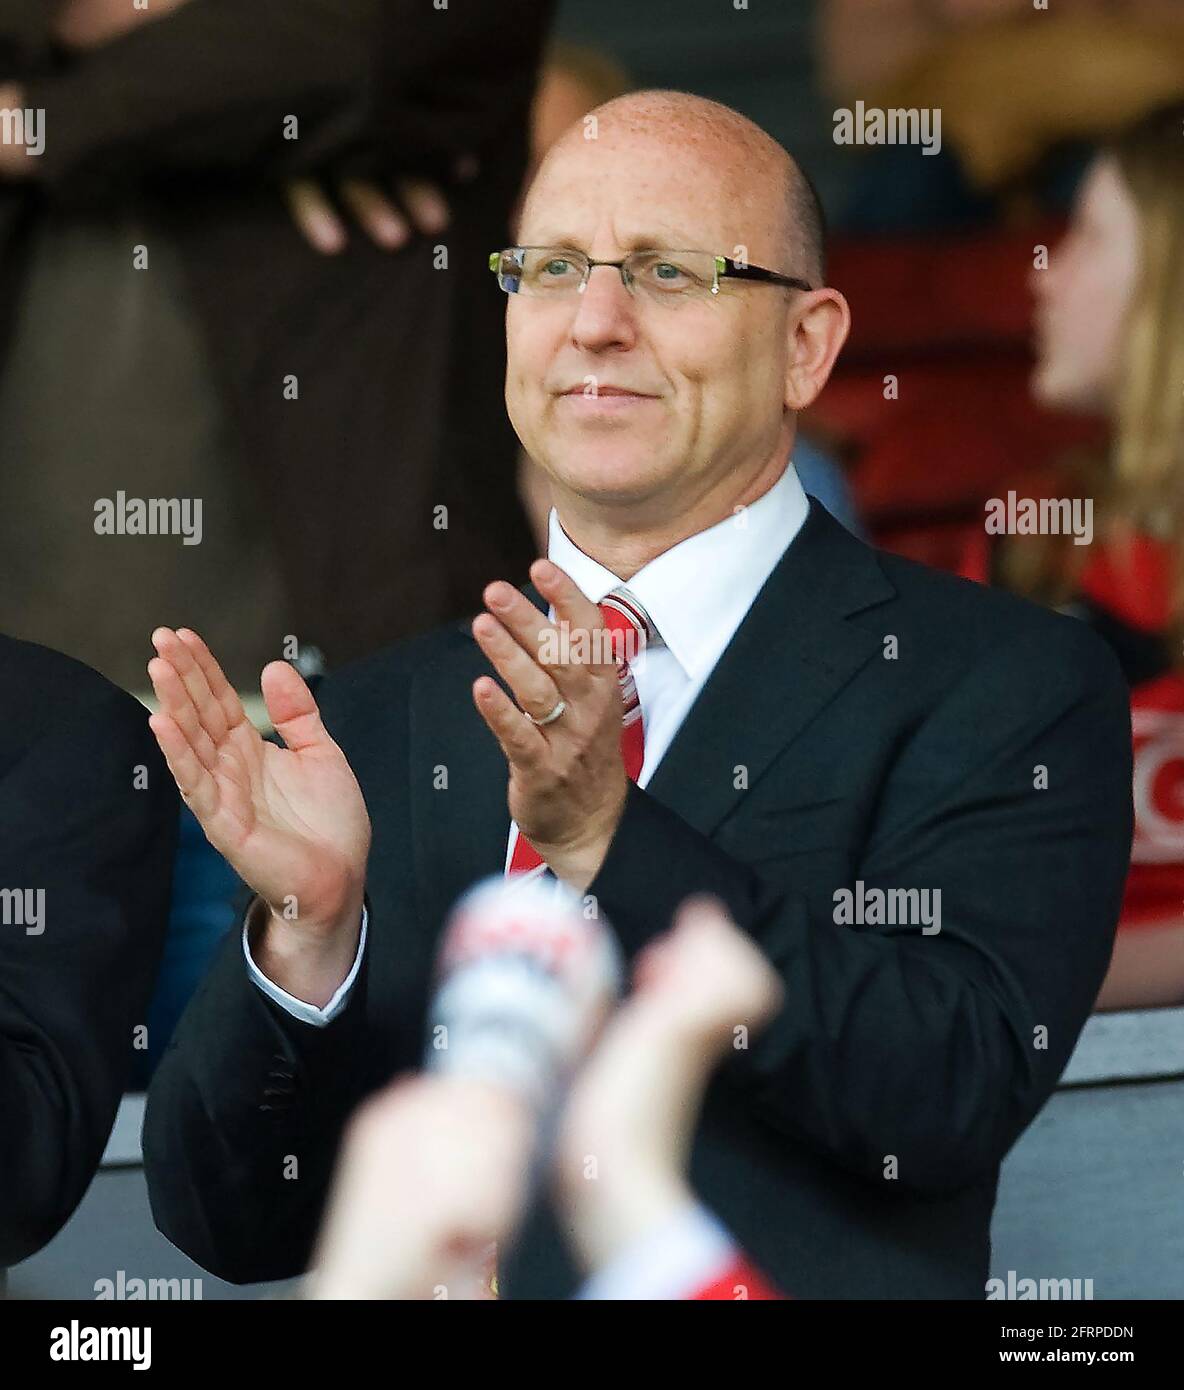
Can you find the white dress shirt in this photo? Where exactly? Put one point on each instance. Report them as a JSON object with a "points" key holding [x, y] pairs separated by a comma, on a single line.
{"points": [[697, 594], [680, 1256]]}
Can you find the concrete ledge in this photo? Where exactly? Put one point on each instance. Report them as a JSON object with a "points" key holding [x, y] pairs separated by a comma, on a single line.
{"points": [[123, 1144], [1141, 1045]]}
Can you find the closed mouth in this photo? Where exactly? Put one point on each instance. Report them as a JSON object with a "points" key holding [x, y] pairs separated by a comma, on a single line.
{"points": [[606, 391]]}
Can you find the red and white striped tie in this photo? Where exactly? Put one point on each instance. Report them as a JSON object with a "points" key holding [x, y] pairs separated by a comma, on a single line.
{"points": [[630, 631]]}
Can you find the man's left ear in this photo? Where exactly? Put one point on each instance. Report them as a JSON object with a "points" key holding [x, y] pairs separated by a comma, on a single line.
{"points": [[818, 326]]}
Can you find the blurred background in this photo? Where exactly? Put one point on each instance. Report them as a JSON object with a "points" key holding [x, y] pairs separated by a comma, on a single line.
{"points": [[297, 326]]}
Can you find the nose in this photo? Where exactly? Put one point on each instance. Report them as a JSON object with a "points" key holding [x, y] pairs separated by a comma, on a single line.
{"points": [[606, 313]]}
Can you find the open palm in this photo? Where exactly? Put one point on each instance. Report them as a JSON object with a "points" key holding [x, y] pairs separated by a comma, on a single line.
{"points": [[291, 821]]}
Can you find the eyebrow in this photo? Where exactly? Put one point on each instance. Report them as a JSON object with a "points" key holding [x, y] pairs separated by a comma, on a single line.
{"points": [[648, 242]]}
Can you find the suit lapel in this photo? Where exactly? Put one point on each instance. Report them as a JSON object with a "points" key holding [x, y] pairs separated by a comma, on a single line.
{"points": [[790, 657]]}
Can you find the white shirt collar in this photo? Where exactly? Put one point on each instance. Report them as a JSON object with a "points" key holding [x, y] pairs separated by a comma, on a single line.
{"points": [[698, 591]]}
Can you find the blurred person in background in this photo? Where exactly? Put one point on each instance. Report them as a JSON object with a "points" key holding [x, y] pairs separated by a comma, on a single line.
{"points": [[278, 375], [88, 823], [173, 327], [206, 119], [1110, 341], [435, 1168], [1112, 61]]}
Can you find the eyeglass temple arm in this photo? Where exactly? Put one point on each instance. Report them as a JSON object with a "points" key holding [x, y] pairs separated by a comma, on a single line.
{"points": [[756, 272]]}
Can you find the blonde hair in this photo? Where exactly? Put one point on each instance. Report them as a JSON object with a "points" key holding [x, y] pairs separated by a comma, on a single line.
{"points": [[1139, 484], [1147, 454]]}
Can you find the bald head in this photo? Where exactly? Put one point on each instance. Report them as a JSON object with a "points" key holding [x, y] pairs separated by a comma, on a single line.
{"points": [[762, 185]]}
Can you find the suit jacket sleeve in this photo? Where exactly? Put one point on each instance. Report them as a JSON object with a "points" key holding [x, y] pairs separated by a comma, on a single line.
{"points": [[933, 1050], [245, 1113], [390, 83], [247, 1106], [73, 823]]}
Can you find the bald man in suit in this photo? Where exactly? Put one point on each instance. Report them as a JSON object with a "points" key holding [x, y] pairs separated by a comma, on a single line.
{"points": [[912, 792]]}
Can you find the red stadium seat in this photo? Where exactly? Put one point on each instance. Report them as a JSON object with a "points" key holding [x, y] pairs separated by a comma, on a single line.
{"points": [[950, 321]]}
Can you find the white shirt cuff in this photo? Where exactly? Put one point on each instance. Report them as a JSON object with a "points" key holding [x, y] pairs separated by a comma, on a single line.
{"points": [[673, 1261], [298, 1008]]}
